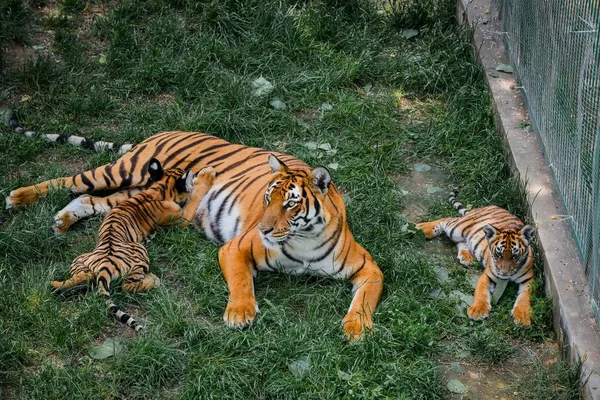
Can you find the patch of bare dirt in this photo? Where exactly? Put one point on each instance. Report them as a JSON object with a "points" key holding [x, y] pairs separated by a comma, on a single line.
{"points": [[425, 185], [499, 381]]}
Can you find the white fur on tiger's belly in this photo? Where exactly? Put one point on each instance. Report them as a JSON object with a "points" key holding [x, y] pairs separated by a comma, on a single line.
{"points": [[218, 227]]}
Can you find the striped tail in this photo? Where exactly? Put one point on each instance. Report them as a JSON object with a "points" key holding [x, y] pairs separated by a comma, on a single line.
{"points": [[458, 206], [122, 315], [12, 122], [103, 279]]}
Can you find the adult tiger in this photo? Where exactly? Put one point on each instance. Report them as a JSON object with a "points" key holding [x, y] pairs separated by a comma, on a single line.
{"points": [[310, 235], [119, 252], [501, 243]]}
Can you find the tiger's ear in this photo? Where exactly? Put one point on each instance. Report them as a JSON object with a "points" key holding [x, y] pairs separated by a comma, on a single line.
{"points": [[321, 179], [527, 233], [277, 165], [490, 231], [185, 183], [155, 170]]}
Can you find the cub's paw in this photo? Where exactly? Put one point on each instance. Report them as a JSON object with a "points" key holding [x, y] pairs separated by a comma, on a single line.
{"points": [[205, 177], [427, 229], [522, 316], [355, 328], [240, 315], [479, 310], [465, 257]]}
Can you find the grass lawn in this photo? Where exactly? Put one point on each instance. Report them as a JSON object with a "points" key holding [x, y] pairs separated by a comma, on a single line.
{"points": [[351, 76]]}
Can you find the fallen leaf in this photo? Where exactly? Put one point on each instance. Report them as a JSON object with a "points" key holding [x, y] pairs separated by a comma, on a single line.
{"points": [[499, 290], [421, 167], [333, 166], [261, 86], [436, 294], [456, 367], [25, 98], [326, 107], [344, 376], [456, 386], [442, 274], [311, 145], [299, 367], [109, 348], [278, 104], [325, 146], [494, 74], [409, 33], [504, 68]]}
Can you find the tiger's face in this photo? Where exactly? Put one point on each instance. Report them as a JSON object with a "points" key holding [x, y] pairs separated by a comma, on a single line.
{"points": [[509, 248], [293, 203]]}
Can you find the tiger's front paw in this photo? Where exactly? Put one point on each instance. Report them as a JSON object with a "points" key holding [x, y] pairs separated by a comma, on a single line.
{"points": [[355, 328], [240, 314], [479, 310], [21, 197], [427, 229], [522, 316]]}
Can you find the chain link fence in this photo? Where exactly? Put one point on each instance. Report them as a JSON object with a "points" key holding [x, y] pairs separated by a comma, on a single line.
{"points": [[554, 49]]}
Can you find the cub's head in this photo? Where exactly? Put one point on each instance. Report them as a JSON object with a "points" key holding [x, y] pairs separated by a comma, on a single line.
{"points": [[293, 203], [169, 184], [509, 248]]}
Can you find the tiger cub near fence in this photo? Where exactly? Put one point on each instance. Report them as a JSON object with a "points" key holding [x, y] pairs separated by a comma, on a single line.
{"points": [[119, 252], [501, 243]]}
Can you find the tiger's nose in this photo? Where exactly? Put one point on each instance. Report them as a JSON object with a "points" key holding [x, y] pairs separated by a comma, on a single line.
{"points": [[266, 229]]}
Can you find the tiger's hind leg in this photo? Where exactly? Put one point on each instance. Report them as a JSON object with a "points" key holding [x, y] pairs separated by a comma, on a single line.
{"points": [[80, 274], [465, 257], [149, 282], [86, 205], [434, 228], [138, 279]]}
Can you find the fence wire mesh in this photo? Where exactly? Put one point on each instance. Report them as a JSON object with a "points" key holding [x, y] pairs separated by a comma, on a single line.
{"points": [[554, 49]]}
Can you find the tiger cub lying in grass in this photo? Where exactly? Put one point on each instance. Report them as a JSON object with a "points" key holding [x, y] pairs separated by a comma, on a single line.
{"points": [[120, 252], [501, 243]]}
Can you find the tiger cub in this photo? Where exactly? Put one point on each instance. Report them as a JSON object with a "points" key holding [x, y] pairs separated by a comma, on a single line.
{"points": [[501, 243], [119, 251]]}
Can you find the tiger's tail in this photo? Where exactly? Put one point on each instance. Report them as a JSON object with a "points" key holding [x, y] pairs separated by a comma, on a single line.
{"points": [[458, 206], [103, 281], [122, 315], [13, 123]]}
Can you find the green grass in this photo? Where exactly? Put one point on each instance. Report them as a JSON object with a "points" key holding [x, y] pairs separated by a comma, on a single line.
{"points": [[123, 71]]}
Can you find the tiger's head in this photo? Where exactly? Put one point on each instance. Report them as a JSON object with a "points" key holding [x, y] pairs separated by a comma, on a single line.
{"points": [[509, 248], [293, 203], [171, 184]]}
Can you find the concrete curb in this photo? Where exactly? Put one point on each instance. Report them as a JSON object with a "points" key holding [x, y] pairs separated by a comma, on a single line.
{"points": [[574, 323]]}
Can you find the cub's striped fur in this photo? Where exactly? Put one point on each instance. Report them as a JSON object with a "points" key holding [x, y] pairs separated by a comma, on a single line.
{"points": [[501, 243], [119, 252], [272, 212]]}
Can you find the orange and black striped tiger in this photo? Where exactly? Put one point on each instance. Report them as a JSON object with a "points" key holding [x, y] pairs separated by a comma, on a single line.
{"points": [[501, 243], [119, 252], [272, 212]]}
